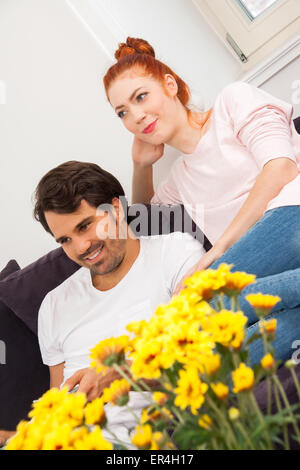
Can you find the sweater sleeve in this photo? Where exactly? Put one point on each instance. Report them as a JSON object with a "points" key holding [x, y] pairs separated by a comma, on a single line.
{"points": [[260, 121]]}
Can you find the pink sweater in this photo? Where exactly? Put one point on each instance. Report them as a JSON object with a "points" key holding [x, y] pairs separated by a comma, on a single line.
{"points": [[248, 128]]}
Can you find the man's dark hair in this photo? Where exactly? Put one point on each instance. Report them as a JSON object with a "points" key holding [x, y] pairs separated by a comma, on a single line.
{"points": [[62, 189]]}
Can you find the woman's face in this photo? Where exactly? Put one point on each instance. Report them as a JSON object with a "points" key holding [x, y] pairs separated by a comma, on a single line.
{"points": [[146, 106]]}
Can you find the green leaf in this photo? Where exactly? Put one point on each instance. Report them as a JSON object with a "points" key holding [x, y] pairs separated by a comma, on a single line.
{"points": [[252, 338], [189, 438]]}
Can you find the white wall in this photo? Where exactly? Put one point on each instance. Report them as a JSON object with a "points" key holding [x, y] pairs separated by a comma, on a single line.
{"points": [[286, 85], [56, 109]]}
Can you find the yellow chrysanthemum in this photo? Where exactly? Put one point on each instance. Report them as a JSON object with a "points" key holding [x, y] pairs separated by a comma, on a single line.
{"points": [[186, 343], [58, 439], [71, 410], [190, 390], [205, 422], [221, 390], [237, 281], [49, 402], [154, 415], [160, 397], [94, 412], [243, 378], [93, 441], [267, 362], [226, 328], [136, 327], [233, 413], [108, 352], [262, 303], [267, 326], [16, 442], [208, 282], [143, 436], [78, 434], [208, 364], [147, 360], [117, 393]]}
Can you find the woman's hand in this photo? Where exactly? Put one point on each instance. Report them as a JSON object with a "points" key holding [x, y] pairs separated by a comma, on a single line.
{"points": [[144, 154], [210, 257]]}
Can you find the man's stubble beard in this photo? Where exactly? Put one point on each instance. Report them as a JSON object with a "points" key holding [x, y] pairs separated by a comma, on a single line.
{"points": [[114, 263]]}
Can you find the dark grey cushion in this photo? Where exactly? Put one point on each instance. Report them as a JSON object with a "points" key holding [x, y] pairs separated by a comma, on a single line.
{"points": [[23, 376], [10, 268], [24, 290]]}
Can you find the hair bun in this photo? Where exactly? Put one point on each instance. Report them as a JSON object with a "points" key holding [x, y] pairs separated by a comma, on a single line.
{"points": [[134, 46]]}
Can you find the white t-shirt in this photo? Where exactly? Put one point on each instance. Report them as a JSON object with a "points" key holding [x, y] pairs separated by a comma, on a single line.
{"points": [[76, 316]]}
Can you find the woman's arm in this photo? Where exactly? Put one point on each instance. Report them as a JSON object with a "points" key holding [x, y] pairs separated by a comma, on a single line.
{"points": [[142, 184], [144, 155], [273, 177]]}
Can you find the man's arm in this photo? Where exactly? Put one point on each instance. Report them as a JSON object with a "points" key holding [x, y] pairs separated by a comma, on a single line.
{"points": [[56, 375]]}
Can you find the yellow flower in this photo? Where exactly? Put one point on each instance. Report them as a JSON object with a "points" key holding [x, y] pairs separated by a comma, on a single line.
{"points": [[143, 436], [146, 360], [16, 442], [160, 397], [156, 441], [58, 439], [262, 303], [78, 434], [205, 422], [226, 328], [71, 410], [237, 281], [163, 414], [117, 393], [243, 378], [267, 361], [290, 364], [93, 441], [233, 413], [49, 402], [94, 412], [208, 282], [190, 390], [221, 390], [267, 326], [208, 364], [185, 343], [108, 352]]}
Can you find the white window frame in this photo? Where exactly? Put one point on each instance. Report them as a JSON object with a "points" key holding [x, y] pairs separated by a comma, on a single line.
{"points": [[264, 45]]}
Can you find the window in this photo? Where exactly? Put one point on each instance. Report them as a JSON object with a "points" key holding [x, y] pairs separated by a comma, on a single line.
{"points": [[253, 29], [254, 8]]}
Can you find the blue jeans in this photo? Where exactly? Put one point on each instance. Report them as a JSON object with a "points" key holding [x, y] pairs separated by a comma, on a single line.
{"points": [[271, 250]]}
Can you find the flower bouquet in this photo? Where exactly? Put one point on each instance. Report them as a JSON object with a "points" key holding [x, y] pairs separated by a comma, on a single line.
{"points": [[192, 357]]}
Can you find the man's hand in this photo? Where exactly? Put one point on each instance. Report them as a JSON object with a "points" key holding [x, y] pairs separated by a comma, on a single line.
{"points": [[91, 383], [4, 436]]}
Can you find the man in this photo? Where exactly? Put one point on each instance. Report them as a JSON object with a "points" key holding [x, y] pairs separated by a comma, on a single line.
{"points": [[122, 278]]}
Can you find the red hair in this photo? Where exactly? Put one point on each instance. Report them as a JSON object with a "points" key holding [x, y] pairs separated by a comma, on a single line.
{"points": [[139, 54]]}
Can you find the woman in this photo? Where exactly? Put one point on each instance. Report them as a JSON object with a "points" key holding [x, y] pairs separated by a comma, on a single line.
{"points": [[240, 160]]}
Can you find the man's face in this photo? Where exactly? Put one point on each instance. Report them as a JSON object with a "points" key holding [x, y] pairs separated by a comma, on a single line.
{"points": [[84, 237]]}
